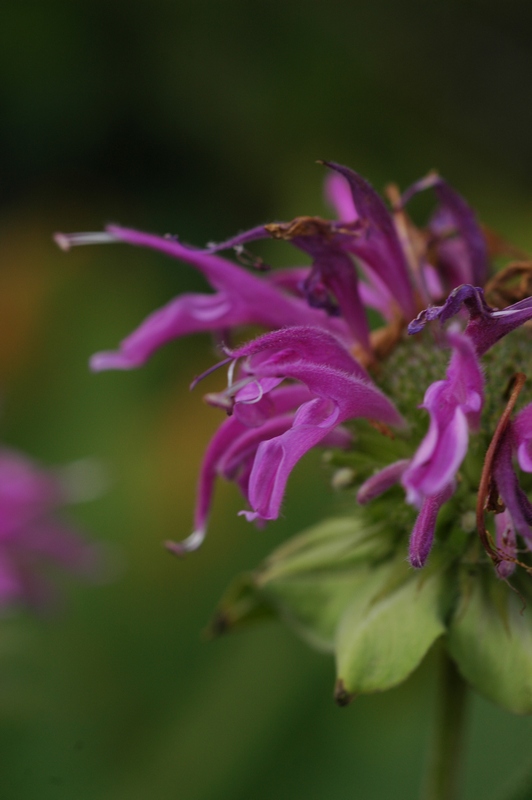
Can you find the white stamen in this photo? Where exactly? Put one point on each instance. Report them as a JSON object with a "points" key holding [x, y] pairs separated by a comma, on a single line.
{"points": [[67, 240], [230, 373], [255, 399], [188, 545], [233, 388]]}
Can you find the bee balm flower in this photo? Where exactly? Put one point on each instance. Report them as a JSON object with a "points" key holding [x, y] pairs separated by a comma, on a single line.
{"points": [[33, 539], [318, 367]]}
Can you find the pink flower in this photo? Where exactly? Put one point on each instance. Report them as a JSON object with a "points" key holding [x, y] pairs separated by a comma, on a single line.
{"points": [[454, 405], [298, 385], [241, 298], [33, 541], [272, 427]]}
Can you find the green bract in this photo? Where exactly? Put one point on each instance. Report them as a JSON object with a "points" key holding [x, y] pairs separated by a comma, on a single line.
{"points": [[490, 638], [344, 586]]}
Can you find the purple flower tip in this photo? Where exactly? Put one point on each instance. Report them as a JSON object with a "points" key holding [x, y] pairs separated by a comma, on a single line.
{"points": [[423, 533], [250, 516]]}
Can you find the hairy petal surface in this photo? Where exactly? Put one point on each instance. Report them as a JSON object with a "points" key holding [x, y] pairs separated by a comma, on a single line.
{"points": [[486, 325], [454, 405], [423, 532], [383, 480], [522, 428], [232, 450], [276, 349], [340, 390], [348, 398], [379, 245], [242, 298]]}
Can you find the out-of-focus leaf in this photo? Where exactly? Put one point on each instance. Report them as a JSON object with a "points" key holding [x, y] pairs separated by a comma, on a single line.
{"points": [[490, 638], [309, 580], [241, 605], [334, 544], [313, 604], [388, 628]]}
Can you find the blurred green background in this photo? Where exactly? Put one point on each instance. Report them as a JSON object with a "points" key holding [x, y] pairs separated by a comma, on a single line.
{"points": [[202, 119]]}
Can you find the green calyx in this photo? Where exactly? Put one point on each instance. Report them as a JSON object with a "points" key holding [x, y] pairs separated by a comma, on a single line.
{"points": [[415, 363], [501, 363], [344, 587]]}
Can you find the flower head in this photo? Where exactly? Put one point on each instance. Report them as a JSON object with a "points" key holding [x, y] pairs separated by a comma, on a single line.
{"points": [[318, 367], [33, 540]]}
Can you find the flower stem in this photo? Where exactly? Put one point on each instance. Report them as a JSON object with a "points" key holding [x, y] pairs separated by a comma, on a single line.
{"points": [[441, 782]]}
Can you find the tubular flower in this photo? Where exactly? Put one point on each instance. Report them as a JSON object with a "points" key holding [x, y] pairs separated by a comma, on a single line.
{"points": [[454, 405], [233, 449], [32, 539], [240, 299], [318, 371], [339, 391], [272, 426]]}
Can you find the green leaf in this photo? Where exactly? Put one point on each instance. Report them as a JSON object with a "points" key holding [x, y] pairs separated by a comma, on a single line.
{"points": [[313, 604], [240, 605], [334, 544], [388, 627], [313, 577], [309, 580], [490, 638]]}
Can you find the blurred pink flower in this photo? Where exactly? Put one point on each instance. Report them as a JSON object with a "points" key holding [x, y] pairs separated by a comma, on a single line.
{"points": [[34, 541]]}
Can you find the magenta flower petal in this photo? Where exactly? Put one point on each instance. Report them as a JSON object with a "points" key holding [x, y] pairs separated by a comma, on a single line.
{"points": [[235, 242], [379, 245], [422, 534], [27, 493], [340, 397], [454, 405], [338, 389], [467, 255], [517, 503], [242, 298], [333, 271], [277, 457], [339, 196], [373, 295], [373, 240], [289, 278], [231, 451], [523, 437], [486, 325], [238, 461], [381, 481], [298, 344], [187, 314]]}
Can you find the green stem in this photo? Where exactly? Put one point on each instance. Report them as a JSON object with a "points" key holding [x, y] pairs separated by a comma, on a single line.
{"points": [[447, 744]]}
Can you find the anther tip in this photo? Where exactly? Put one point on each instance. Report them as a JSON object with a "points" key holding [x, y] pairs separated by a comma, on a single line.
{"points": [[175, 548], [188, 545], [62, 241]]}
